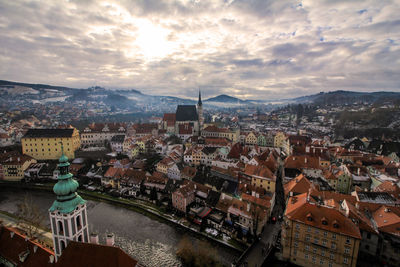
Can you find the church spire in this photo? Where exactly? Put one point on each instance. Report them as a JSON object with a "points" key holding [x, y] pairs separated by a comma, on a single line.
{"points": [[199, 103]]}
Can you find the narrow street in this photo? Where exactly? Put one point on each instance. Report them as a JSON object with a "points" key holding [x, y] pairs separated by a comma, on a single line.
{"points": [[259, 252]]}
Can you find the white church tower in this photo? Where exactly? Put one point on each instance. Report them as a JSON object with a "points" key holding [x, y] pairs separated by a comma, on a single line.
{"points": [[68, 215]]}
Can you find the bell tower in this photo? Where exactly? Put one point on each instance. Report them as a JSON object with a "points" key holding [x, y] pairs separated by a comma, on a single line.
{"points": [[68, 215], [200, 113]]}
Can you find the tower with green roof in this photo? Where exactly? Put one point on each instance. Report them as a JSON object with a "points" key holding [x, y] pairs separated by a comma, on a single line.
{"points": [[68, 215]]}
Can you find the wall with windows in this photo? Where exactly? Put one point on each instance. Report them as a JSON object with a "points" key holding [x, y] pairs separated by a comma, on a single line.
{"points": [[305, 245]]}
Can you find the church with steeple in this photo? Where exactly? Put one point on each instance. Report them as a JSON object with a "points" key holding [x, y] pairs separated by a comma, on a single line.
{"points": [[68, 214], [188, 120]]}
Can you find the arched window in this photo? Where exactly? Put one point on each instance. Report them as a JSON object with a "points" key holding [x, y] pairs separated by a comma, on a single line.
{"points": [[80, 238], [60, 227], [62, 242], [78, 221]]}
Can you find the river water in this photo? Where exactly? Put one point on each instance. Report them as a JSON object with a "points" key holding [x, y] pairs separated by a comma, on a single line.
{"points": [[151, 242]]}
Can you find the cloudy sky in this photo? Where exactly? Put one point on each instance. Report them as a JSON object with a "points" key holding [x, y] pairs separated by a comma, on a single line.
{"points": [[254, 49]]}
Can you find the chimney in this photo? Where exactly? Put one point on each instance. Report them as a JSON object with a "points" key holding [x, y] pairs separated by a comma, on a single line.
{"points": [[110, 240], [51, 258], [35, 249], [94, 238], [12, 234], [358, 171]]}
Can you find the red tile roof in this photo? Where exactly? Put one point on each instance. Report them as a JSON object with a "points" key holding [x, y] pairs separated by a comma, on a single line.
{"points": [[298, 185], [259, 171], [87, 254], [387, 220], [301, 210], [13, 244]]}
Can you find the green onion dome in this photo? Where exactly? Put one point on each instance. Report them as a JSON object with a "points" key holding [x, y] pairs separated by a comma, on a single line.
{"points": [[65, 189]]}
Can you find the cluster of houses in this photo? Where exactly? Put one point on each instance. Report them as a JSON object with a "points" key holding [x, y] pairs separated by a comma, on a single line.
{"points": [[342, 199]]}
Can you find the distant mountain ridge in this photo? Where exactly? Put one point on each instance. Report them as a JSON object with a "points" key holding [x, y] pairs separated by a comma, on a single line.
{"points": [[134, 96], [348, 97]]}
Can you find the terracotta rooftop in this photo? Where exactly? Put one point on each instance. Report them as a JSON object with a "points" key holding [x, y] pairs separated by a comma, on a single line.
{"points": [[387, 220], [259, 171], [87, 254], [300, 162], [302, 210], [298, 185], [21, 251]]}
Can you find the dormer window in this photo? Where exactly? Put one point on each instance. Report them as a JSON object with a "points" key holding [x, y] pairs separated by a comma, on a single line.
{"points": [[335, 224], [324, 221], [309, 217]]}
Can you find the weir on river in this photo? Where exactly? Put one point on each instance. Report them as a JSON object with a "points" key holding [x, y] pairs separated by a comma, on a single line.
{"points": [[150, 241]]}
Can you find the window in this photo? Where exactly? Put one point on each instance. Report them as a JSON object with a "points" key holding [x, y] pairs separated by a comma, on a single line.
{"points": [[309, 229], [330, 264], [345, 260], [346, 250], [296, 235], [321, 261], [306, 256], [296, 244], [316, 231], [322, 252], [332, 256], [307, 237], [333, 236], [314, 250], [313, 259], [295, 252], [60, 227], [297, 226], [367, 247], [347, 240], [333, 245], [369, 235], [307, 247], [316, 240]]}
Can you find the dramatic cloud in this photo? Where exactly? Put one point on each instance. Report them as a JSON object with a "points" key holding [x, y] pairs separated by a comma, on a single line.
{"points": [[255, 49]]}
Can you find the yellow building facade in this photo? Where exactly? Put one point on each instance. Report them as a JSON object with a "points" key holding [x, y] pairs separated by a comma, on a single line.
{"points": [[266, 183], [317, 235], [14, 167], [45, 144]]}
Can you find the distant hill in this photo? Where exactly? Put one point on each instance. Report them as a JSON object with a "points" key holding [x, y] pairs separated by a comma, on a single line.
{"points": [[348, 97], [4, 83], [226, 99]]}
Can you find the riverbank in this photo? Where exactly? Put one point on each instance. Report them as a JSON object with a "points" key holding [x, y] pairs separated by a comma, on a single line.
{"points": [[142, 207]]}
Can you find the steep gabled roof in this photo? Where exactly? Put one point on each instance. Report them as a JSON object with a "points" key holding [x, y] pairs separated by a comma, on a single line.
{"points": [[49, 133], [301, 210], [13, 245], [186, 113], [298, 185]]}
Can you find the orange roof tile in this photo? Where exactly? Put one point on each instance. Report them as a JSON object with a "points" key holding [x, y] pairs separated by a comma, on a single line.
{"points": [[301, 210]]}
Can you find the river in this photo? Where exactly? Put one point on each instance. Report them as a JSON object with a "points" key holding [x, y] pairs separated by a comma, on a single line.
{"points": [[150, 241]]}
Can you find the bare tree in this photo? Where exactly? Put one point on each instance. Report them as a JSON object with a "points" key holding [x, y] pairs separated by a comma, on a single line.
{"points": [[29, 216]]}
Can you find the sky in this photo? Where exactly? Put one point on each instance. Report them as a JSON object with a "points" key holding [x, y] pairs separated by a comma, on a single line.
{"points": [[252, 49]]}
